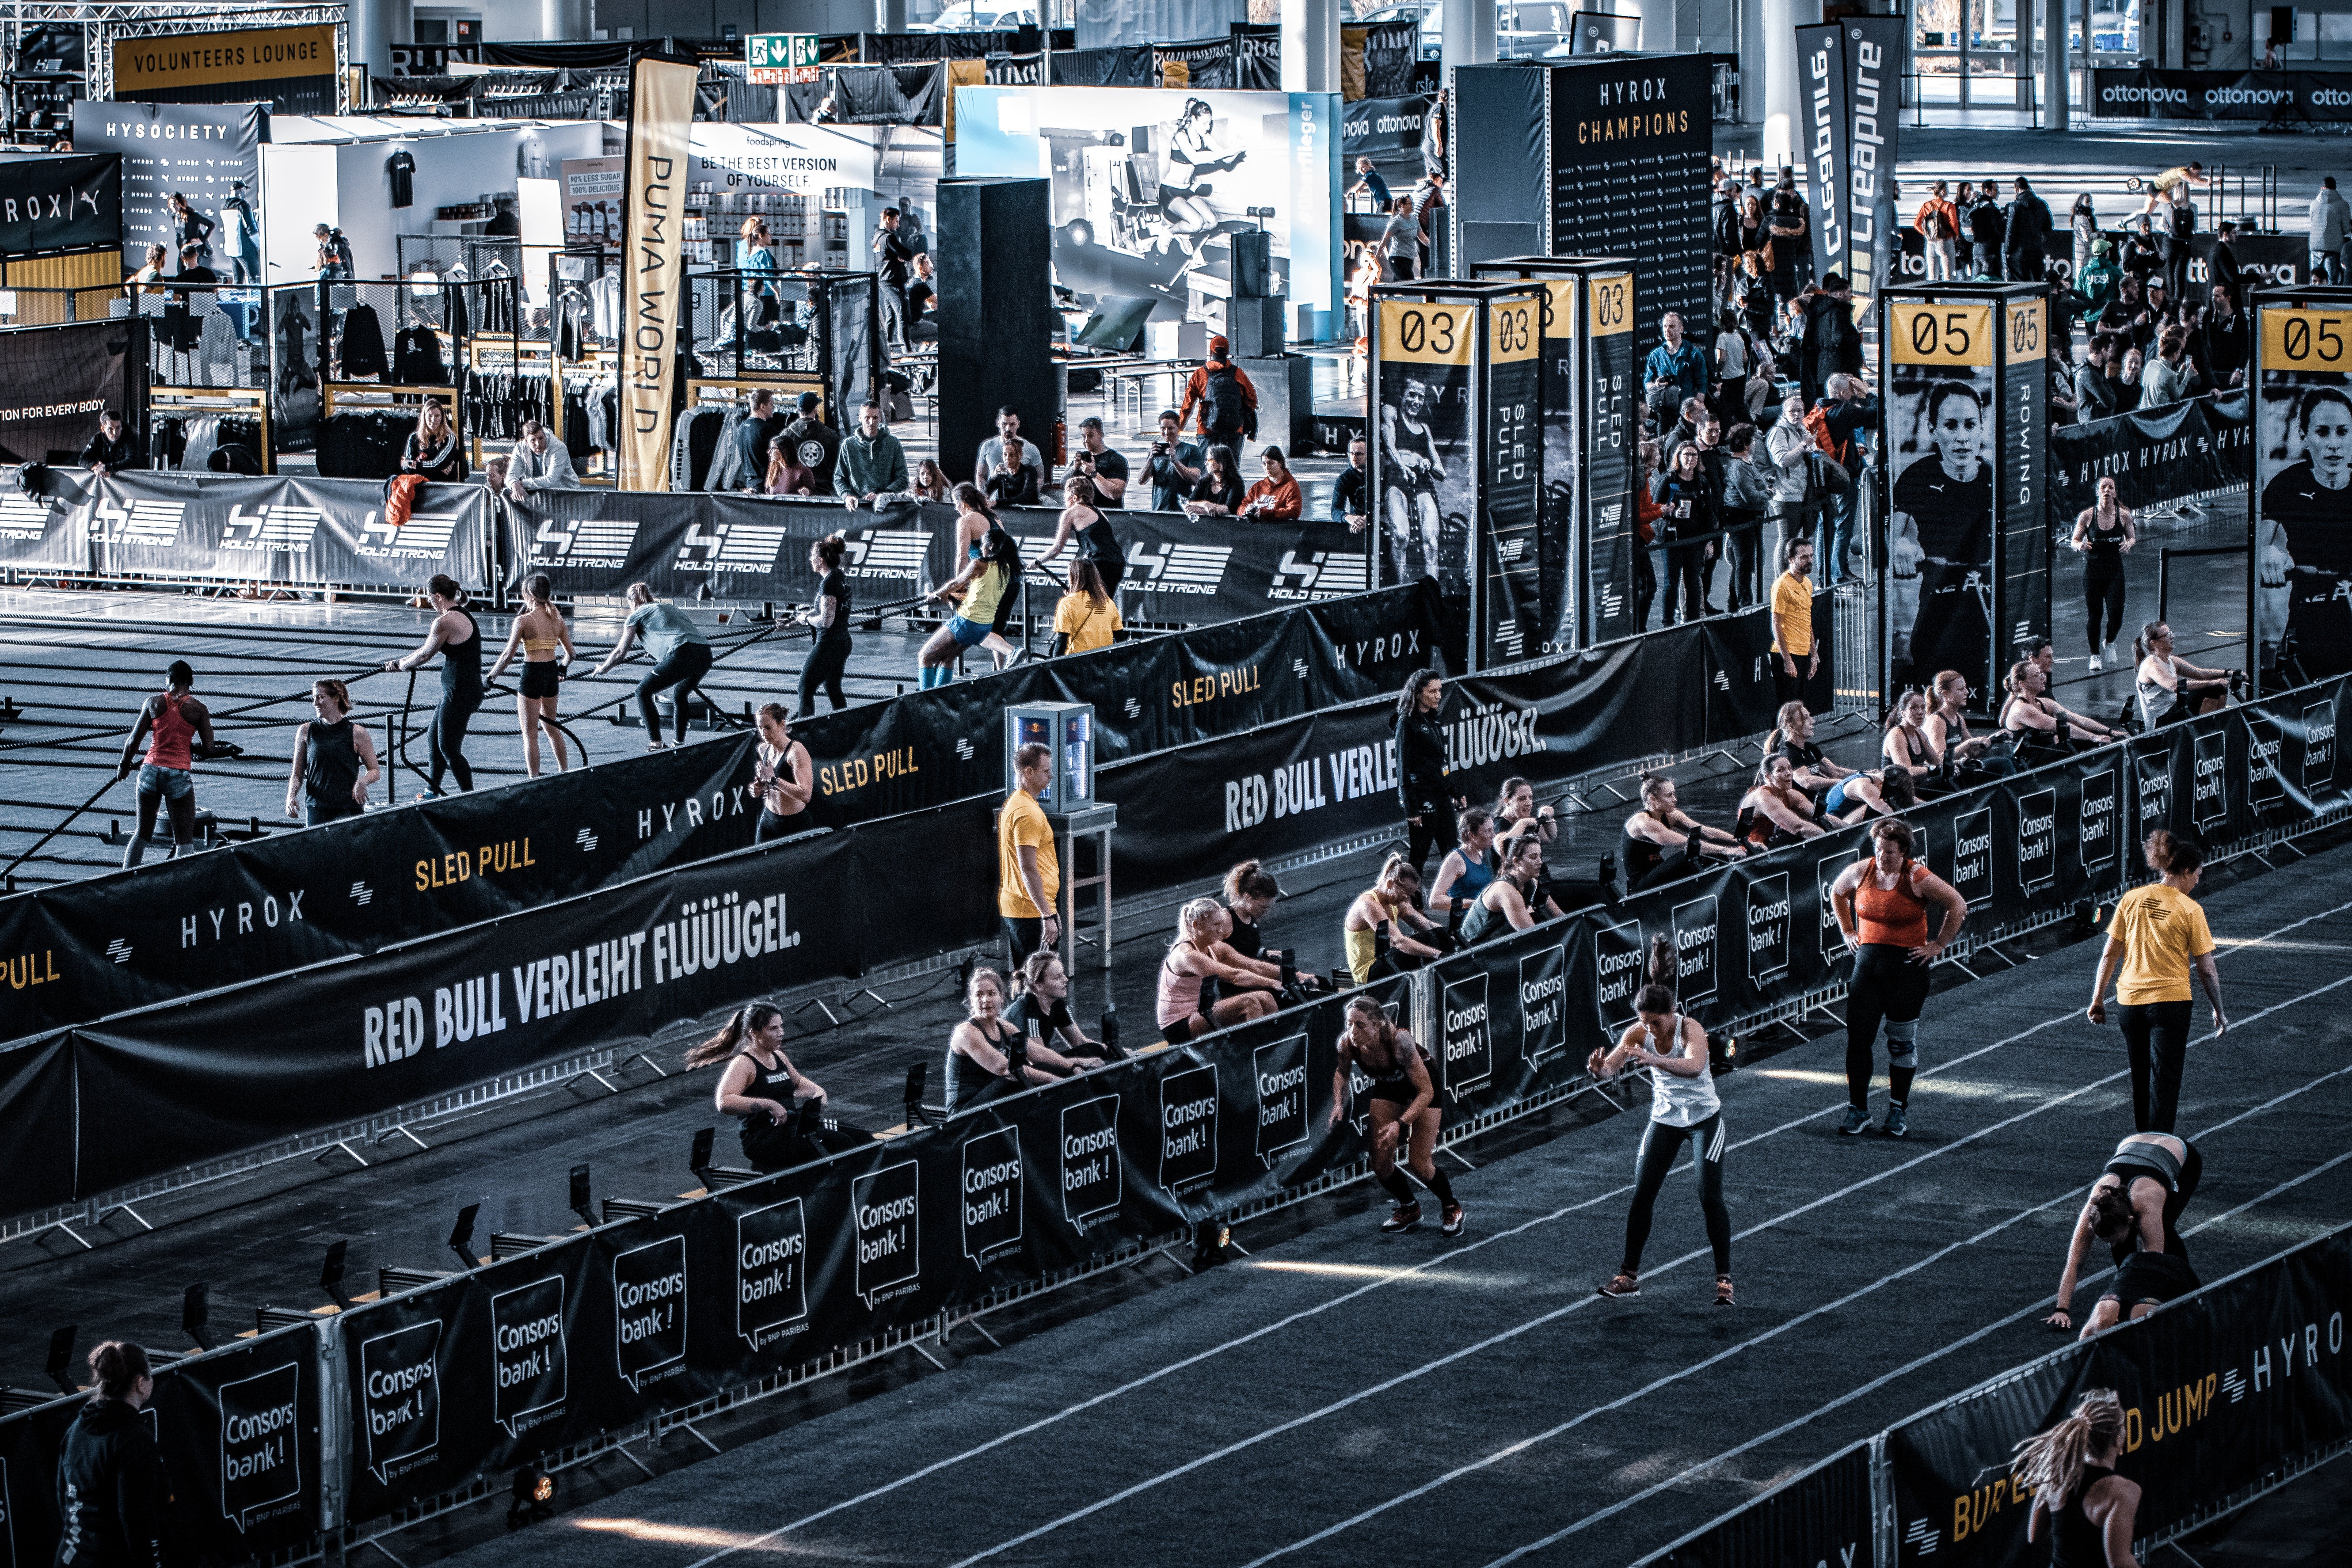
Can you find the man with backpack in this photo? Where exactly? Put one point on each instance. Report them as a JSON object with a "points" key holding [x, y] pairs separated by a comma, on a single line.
{"points": [[1831, 345], [1839, 423], [1939, 229], [1986, 227], [1227, 401]]}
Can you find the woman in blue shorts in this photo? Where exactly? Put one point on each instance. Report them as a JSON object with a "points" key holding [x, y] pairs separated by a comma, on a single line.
{"points": [[982, 585]]}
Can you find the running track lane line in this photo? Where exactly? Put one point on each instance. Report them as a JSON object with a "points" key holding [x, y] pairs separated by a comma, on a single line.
{"points": [[1454, 1255], [1509, 1450], [1578, 1305], [1874, 1384]]}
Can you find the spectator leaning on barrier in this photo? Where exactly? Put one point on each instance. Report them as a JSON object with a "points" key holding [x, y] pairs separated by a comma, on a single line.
{"points": [[111, 449], [1098, 462], [539, 462], [1028, 870], [814, 445], [991, 452], [871, 463], [1274, 498]]}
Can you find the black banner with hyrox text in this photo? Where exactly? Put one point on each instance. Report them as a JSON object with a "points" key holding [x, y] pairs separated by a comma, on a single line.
{"points": [[2154, 455]]}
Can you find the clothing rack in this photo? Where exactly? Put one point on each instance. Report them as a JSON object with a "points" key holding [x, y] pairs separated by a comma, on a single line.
{"points": [[180, 402]]}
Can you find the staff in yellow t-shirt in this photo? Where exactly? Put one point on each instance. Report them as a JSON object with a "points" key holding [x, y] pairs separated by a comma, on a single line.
{"points": [[1795, 659], [1086, 617], [1028, 870], [2158, 935]]}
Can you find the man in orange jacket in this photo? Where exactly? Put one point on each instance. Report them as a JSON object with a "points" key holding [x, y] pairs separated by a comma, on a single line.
{"points": [[1227, 401]]}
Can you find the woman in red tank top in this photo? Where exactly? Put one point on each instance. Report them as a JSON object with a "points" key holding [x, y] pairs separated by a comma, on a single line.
{"points": [[1882, 905], [171, 722]]}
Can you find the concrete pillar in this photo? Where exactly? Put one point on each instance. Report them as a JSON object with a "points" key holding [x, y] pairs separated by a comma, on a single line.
{"points": [[1657, 19], [2054, 70], [889, 15], [1467, 35], [1310, 46], [563, 21], [374, 27], [1784, 95], [1749, 15]]}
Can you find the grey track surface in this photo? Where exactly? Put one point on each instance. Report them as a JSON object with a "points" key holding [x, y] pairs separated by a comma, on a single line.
{"points": [[1344, 1393]]}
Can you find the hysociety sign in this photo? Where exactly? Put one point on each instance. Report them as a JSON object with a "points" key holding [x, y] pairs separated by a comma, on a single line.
{"points": [[992, 1194], [770, 1274], [1092, 1179], [887, 1204], [649, 1310], [1280, 1067], [261, 1472], [528, 1364], [400, 1398]]}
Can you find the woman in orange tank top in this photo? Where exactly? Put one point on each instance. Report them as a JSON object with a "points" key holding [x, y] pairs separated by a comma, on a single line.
{"points": [[170, 722], [1882, 906]]}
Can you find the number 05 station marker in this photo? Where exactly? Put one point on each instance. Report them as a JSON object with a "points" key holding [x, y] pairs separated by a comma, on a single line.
{"points": [[1457, 471], [2299, 506]]}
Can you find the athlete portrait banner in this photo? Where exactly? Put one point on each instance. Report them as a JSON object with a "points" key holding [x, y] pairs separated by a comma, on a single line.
{"points": [[2021, 538], [1424, 460], [1940, 430], [2302, 554]]}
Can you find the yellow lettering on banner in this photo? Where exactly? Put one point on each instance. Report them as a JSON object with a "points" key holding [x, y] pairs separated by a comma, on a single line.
{"points": [[1926, 334], [2026, 330], [1425, 333], [1512, 328], [2307, 339], [1612, 304], [203, 59], [1560, 308]]}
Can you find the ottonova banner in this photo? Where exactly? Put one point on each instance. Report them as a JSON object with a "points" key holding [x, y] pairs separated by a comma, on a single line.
{"points": [[2270, 97], [661, 112], [54, 384], [198, 150], [1424, 453], [68, 202], [2302, 480], [2220, 1392]]}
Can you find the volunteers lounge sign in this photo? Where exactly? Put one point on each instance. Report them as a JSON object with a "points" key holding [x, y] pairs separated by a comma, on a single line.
{"points": [[162, 68]]}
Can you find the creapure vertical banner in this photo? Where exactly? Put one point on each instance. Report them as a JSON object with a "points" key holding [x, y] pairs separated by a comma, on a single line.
{"points": [[661, 115]]}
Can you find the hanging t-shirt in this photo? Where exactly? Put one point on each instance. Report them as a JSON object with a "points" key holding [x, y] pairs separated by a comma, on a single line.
{"points": [[403, 170]]}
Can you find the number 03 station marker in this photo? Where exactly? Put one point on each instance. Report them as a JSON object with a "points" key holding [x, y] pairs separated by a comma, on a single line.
{"points": [[1457, 470]]}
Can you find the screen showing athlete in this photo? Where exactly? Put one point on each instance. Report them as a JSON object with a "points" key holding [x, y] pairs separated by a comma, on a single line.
{"points": [[1939, 554], [2305, 569]]}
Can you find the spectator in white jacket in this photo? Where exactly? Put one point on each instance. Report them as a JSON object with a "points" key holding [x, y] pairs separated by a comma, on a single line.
{"points": [[539, 462], [1788, 450], [2330, 218]]}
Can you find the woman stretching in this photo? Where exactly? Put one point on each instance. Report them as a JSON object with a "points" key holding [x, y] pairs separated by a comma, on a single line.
{"points": [[1401, 1102], [2104, 535], [1684, 1109], [1881, 904], [1373, 932], [2069, 1471], [776, 1134], [539, 631], [458, 641]]}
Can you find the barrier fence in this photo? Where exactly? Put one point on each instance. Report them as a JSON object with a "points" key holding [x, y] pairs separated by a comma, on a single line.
{"points": [[632, 1326], [2227, 1394], [2155, 456]]}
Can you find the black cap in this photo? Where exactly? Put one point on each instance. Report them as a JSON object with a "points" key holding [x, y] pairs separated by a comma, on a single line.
{"points": [[809, 401]]}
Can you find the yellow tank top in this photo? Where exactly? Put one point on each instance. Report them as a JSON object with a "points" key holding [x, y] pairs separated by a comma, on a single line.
{"points": [[1362, 949], [981, 598]]}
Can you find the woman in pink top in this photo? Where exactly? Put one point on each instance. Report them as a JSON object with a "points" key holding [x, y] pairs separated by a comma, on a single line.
{"points": [[1196, 955]]}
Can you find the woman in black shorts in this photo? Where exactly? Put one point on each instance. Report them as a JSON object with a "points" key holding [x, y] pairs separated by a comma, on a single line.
{"points": [[761, 1086], [539, 633], [784, 778], [1403, 1105], [2134, 1207], [830, 617]]}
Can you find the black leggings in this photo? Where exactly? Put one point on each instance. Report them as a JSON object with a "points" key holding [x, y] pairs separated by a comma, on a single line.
{"points": [[772, 1148], [2157, 1035], [446, 738], [1672, 867], [1433, 831], [1887, 987], [770, 825], [1687, 565], [822, 668], [2103, 589], [686, 665], [1660, 1146]]}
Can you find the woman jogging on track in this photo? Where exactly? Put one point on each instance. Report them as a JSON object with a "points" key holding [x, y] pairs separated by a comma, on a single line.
{"points": [[830, 616], [539, 631], [2104, 535], [182, 730], [2134, 1207], [458, 641], [681, 656], [2070, 1473], [2158, 934], [1401, 1102], [1684, 1108], [763, 1087], [335, 760], [1374, 933], [1881, 904]]}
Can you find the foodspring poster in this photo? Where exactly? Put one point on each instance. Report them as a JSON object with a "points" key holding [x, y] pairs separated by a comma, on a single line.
{"points": [[1148, 182]]}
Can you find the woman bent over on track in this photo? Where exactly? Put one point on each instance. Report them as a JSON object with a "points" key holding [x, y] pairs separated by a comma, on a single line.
{"points": [[1683, 1109], [1403, 1105], [1882, 906]]}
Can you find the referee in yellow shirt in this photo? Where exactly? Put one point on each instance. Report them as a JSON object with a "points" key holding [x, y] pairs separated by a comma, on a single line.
{"points": [[1795, 659], [2158, 936], [1028, 871]]}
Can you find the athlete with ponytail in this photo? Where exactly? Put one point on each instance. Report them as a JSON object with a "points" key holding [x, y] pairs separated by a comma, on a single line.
{"points": [[1881, 903], [1402, 1104], [2158, 934], [1684, 1108], [2070, 1471], [2134, 1207], [775, 1136], [113, 1492]]}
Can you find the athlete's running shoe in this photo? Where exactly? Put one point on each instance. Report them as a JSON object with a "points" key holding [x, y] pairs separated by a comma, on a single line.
{"points": [[1622, 1285], [1404, 1217], [1723, 1291], [1857, 1119], [1896, 1125], [1453, 1218]]}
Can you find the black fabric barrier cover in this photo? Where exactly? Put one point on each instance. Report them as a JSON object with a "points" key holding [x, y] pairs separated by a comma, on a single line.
{"points": [[130, 939], [273, 528], [355, 1037], [1822, 1517], [2219, 1390], [2228, 778], [2181, 448], [164, 931], [38, 530], [54, 384], [238, 1430]]}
